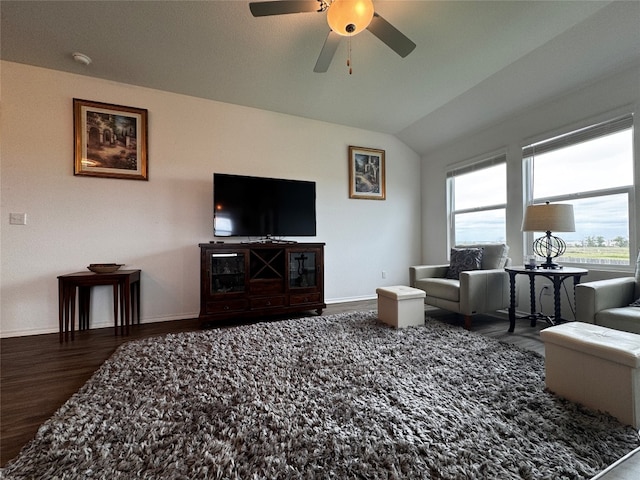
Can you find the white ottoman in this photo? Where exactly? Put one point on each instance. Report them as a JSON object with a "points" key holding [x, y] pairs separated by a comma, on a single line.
{"points": [[626, 468], [596, 366], [401, 306]]}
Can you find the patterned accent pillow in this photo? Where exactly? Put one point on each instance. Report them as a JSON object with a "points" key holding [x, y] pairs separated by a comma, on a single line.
{"points": [[635, 304], [464, 259]]}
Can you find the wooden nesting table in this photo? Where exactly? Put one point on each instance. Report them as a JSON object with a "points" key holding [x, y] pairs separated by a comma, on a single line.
{"points": [[126, 299]]}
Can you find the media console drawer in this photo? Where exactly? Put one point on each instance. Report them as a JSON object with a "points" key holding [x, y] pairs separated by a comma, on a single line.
{"points": [[302, 298], [267, 302], [227, 306]]}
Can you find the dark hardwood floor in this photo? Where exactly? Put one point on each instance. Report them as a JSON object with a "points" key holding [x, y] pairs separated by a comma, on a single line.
{"points": [[38, 373]]}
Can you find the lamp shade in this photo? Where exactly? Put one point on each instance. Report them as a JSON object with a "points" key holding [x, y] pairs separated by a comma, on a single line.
{"points": [[549, 217], [348, 17]]}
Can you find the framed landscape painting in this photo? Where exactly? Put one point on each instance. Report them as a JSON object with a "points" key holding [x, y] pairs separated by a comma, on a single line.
{"points": [[110, 140], [366, 173]]}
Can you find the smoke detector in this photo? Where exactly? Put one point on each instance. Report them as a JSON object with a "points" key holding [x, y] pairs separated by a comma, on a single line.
{"points": [[81, 58]]}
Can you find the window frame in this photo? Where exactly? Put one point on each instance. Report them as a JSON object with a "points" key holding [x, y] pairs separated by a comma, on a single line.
{"points": [[573, 137], [479, 163]]}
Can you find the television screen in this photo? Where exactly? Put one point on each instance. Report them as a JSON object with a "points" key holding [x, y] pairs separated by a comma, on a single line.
{"points": [[263, 207]]}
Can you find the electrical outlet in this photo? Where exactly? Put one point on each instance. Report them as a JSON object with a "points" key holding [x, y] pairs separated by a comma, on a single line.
{"points": [[17, 218], [384, 274]]}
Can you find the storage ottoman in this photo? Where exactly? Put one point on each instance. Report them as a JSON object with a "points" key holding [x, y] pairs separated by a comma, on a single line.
{"points": [[401, 306], [627, 468], [596, 366]]}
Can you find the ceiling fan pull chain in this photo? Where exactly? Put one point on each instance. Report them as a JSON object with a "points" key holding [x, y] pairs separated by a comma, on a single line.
{"points": [[349, 57]]}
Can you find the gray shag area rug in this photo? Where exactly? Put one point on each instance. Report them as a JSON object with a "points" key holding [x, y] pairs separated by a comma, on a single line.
{"points": [[340, 397]]}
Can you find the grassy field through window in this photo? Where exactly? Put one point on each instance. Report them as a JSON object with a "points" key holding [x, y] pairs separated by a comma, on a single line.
{"points": [[603, 255]]}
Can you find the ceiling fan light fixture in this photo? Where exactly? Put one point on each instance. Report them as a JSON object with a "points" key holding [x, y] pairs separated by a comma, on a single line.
{"points": [[350, 17]]}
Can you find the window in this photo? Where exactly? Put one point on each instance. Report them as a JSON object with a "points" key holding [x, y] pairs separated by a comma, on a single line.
{"points": [[477, 198], [592, 169]]}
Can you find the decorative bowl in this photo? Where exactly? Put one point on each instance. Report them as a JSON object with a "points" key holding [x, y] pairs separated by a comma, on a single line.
{"points": [[104, 267]]}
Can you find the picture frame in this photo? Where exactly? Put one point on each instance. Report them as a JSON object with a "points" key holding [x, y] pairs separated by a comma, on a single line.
{"points": [[367, 173], [110, 140]]}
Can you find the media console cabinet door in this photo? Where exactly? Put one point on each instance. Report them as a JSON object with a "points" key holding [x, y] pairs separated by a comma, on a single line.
{"points": [[226, 272], [302, 269]]}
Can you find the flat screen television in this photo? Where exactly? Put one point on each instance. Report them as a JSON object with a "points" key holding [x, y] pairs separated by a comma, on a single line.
{"points": [[247, 206]]}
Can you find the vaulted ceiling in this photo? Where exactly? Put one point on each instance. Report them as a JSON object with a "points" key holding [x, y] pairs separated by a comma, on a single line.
{"points": [[475, 61]]}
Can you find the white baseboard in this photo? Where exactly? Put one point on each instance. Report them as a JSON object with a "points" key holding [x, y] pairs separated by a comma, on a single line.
{"points": [[331, 301], [162, 318], [45, 331]]}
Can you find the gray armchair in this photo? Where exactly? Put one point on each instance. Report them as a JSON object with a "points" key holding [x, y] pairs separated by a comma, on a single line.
{"points": [[482, 288], [607, 302]]}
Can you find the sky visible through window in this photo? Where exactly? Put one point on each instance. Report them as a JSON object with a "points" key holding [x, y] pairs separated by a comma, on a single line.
{"points": [[602, 163], [481, 188], [481, 227], [599, 164]]}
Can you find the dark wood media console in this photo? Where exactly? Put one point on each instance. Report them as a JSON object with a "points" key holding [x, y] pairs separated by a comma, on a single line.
{"points": [[252, 279]]}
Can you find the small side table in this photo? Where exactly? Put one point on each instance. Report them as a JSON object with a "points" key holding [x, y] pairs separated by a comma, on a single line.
{"points": [[126, 299], [557, 276]]}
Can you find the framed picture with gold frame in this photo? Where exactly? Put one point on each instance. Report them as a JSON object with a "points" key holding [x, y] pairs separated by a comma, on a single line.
{"points": [[110, 140], [366, 173]]}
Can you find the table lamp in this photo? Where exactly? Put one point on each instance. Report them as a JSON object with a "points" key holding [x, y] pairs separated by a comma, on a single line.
{"points": [[557, 217]]}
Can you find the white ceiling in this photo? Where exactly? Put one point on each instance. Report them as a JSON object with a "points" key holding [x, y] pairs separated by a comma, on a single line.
{"points": [[475, 61]]}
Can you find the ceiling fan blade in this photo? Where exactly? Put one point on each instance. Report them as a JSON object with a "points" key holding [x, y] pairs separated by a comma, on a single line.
{"points": [[282, 7], [328, 50], [390, 35]]}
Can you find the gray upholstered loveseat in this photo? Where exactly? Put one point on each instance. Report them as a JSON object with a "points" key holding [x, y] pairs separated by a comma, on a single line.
{"points": [[607, 302]]}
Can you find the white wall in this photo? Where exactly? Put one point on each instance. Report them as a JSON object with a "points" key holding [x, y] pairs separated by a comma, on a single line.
{"points": [[156, 225], [616, 94]]}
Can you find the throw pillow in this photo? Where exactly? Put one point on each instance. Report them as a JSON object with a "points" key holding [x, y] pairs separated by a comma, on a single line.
{"points": [[635, 304], [464, 259]]}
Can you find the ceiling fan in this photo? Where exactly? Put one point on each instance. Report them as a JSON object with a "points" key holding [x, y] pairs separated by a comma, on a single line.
{"points": [[345, 18]]}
